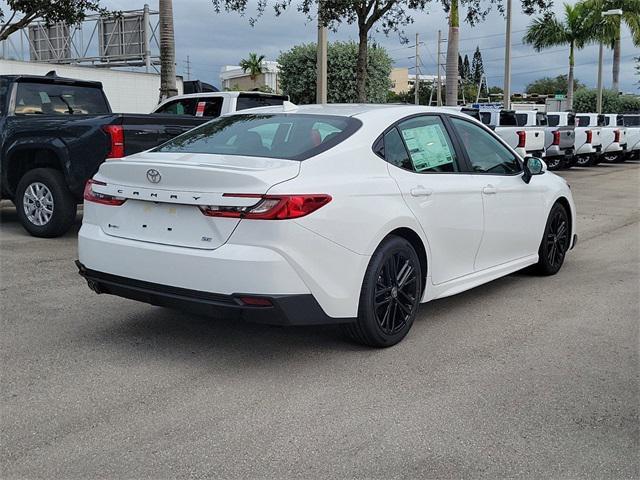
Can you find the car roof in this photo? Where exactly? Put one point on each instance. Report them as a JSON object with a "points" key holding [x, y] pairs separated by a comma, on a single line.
{"points": [[225, 94]]}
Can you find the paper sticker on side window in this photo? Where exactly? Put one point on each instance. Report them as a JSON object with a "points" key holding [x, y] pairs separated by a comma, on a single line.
{"points": [[427, 146]]}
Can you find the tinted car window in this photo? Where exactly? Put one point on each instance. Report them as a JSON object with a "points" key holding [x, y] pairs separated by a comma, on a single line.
{"points": [[56, 99], [395, 152], [485, 152], [286, 136], [571, 119], [430, 148], [485, 117], [521, 118], [631, 120], [184, 106], [4, 92], [508, 119], [212, 106], [247, 100], [582, 121], [553, 120]]}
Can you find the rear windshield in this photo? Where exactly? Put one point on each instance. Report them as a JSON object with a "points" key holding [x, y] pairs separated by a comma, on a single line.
{"points": [[56, 99], [247, 100], [485, 117], [582, 121], [286, 136], [508, 119], [4, 87], [631, 120], [522, 119], [554, 120]]}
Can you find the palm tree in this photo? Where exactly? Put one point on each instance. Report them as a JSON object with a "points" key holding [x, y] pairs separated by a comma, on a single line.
{"points": [[252, 65], [549, 31], [607, 29], [453, 48], [167, 51]]}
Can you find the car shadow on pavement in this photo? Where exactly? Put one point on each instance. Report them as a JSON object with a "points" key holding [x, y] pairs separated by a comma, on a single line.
{"points": [[10, 223]]}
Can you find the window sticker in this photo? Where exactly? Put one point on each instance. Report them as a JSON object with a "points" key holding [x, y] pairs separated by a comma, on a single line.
{"points": [[427, 146]]}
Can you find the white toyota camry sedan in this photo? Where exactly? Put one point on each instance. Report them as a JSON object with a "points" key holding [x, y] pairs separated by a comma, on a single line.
{"points": [[350, 214]]}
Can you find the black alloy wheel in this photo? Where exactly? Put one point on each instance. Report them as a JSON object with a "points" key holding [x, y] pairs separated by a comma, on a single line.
{"points": [[556, 241], [390, 295]]}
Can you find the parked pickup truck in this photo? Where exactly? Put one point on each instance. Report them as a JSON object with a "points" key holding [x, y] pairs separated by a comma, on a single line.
{"points": [[558, 140], [632, 124], [527, 141], [214, 104], [54, 133], [614, 140], [588, 142]]}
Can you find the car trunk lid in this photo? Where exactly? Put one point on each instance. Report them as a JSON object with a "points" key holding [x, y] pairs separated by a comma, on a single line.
{"points": [[164, 192]]}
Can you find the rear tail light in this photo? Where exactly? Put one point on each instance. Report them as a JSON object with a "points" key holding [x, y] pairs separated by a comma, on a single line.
{"points": [[589, 136], [116, 134], [522, 138], [556, 137], [102, 198], [256, 301], [616, 136], [269, 207]]}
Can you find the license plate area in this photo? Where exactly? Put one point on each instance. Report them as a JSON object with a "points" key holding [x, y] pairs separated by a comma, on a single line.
{"points": [[169, 224]]}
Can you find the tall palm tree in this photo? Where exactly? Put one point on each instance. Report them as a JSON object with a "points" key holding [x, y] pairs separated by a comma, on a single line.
{"points": [[252, 65], [453, 48], [607, 28], [549, 31], [167, 51]]}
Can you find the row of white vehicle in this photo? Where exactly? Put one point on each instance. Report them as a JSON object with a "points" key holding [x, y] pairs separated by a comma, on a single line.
{"points": [[565, 139]]}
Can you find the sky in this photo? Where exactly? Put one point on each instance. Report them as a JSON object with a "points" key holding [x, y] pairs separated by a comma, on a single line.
{"points": [[212, 40]]}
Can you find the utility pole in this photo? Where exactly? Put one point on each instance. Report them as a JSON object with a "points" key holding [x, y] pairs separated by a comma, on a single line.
{"points": [[507, 61], [167, 51], [321, 67], [439, 96], [416, 83], [599, 98], [147, 38], [187, 68]]}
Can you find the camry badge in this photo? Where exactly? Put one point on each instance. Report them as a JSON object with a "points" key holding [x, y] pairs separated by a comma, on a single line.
{"points": [[153, 176]]}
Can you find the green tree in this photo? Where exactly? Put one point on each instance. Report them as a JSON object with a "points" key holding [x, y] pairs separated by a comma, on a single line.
{"points": [[252, 65], [552, 86], [298, 73], [368, 15], [466, 69], [585, 101], [477, 66], [607, 29], [549, 31], [67, 11]]}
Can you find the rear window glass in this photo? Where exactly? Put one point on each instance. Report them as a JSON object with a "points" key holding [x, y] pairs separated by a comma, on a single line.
{"points": [[55, 99], [582, 121], [554, 120], [631, 120], [522, 119], [508, 119], [485, 117], [286, 136], [246, 100]]}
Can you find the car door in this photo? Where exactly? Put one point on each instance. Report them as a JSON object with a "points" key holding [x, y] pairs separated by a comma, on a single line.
{"points": [[447, 204], [514, 215]]}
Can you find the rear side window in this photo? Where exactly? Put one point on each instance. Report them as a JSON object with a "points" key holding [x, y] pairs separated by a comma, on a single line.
{"points": [[184, 106], [582, 121], [285, 136], [56, 99], [247, 100], [428, 143], [554, 120]]}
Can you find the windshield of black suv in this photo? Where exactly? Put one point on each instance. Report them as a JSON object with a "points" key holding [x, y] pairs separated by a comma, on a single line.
{"points": [[4, 87], [34, 98], [286, 136]]}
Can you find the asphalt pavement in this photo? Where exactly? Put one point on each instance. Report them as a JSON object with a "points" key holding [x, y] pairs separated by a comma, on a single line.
{"points": [[524, 377]]}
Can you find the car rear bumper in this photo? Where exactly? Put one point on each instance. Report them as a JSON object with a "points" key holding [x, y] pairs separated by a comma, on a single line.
{"points": [[298, 309]]}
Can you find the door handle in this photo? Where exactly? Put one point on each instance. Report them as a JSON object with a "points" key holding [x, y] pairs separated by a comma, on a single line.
{"points": [[489, 190], [421, 192]]}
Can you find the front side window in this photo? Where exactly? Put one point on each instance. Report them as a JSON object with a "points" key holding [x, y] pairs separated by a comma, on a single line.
{"points": [[285, 136], [56, 99], [428, 143], [486, 153]]}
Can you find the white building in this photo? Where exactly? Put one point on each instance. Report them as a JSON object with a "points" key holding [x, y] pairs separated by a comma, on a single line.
{"points": [[232, 77]]}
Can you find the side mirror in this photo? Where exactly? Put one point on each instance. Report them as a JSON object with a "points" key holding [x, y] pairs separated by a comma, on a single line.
{"points": [[533, 166]]}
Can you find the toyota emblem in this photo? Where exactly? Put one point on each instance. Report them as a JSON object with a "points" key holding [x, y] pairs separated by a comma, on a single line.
{"points": [[153, 176]]}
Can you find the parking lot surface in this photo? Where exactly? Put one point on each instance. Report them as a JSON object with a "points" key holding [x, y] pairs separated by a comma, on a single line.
{"points": [[523, 377]]}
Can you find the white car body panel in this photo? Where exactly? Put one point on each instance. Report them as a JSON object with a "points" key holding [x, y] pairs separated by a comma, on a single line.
{"points": [[474, 227], [632, 132]]}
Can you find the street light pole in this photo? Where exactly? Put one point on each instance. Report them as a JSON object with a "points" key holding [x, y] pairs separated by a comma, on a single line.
{"points": [[507, 61], [608, 13], [321, 86]]}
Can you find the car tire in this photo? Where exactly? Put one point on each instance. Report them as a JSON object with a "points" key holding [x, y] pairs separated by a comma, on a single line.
{"points": [[554, 163], [45, 206], [390, 295], [555, 242], [584, 161], [610, 158]]}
